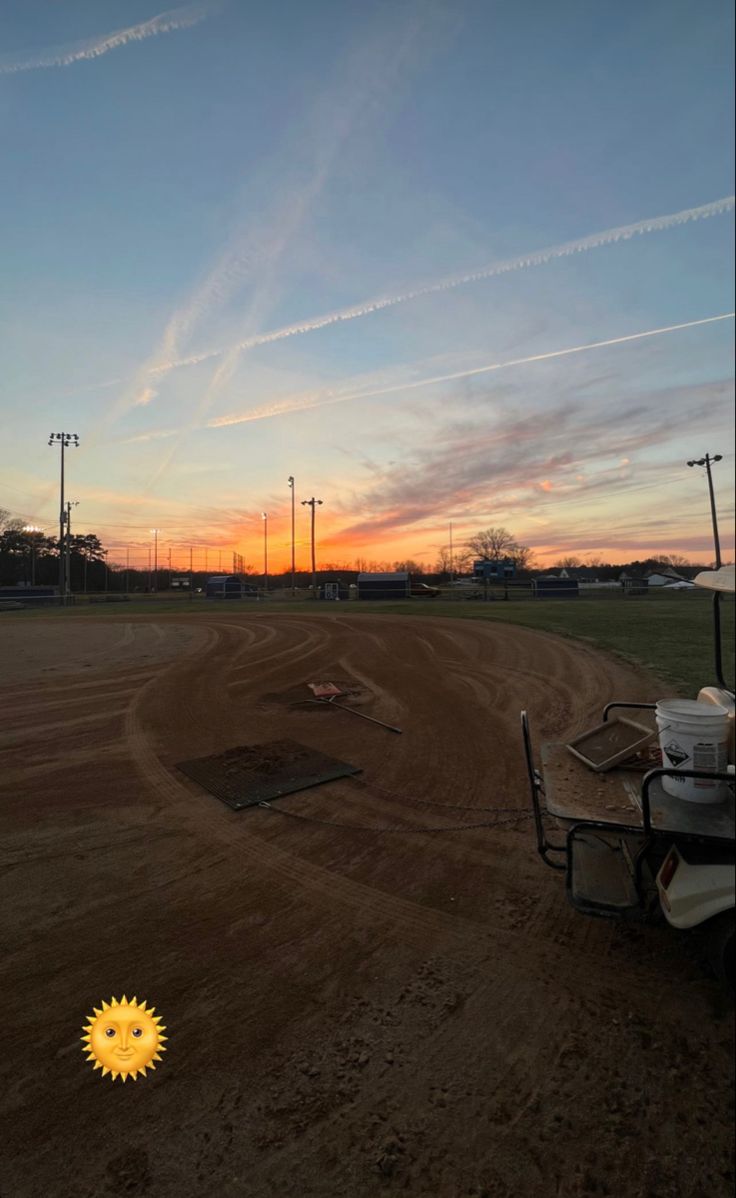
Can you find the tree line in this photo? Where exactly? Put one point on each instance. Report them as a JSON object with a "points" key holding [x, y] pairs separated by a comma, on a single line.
{"points": [[28, 556]]}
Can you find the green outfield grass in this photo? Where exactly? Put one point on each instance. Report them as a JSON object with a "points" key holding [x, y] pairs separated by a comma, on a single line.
{"points": [[668, 634]]}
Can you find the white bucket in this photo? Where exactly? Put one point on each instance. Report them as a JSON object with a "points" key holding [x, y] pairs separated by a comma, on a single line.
{"points": [[693, 736]]}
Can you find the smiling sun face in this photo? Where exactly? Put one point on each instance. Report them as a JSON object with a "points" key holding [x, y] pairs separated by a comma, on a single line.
{"points": [[124, 1039]]}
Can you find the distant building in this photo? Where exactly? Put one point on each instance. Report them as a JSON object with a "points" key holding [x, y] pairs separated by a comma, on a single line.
{"points": [[582, 573], [335, 589], [229, 586], [663, 578], [552, 586], [633, 585], [31, 596], [394, 585]]}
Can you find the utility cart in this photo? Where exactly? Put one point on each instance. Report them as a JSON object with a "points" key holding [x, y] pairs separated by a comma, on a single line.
{"points": [[630, 849]]}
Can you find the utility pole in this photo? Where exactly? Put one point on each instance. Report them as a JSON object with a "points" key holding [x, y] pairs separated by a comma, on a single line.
{"points": [[70, 504], [313, 504], [155, 532], [706, 461], [63, 440], [264, 518], [293, 541], [451, 563], [127, 568]]}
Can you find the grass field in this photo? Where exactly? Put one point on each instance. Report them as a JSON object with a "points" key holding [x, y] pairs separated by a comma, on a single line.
{"points": [[668, 634]]}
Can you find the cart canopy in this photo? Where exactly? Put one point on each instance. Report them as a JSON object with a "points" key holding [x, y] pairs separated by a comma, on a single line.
{"points": [[717, 580]]}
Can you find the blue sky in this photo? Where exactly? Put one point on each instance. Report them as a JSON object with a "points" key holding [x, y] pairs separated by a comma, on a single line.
{"points": [[226, 171]]}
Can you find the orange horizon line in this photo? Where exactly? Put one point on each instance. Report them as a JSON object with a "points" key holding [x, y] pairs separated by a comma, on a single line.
{"points": [[277, 568]]}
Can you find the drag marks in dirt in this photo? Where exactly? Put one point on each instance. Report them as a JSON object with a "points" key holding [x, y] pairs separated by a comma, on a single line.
{"points": [[304, 641], [340, 886], [415, 1014]]}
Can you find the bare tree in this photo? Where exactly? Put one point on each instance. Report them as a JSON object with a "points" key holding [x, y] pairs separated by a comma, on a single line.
{"points": [[492, 543], [495, 544], [445, 560], [673, 559], [522, 557], [410, 566], [10, 523]]}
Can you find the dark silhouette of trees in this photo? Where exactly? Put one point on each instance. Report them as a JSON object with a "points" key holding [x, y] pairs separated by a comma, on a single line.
{"points": [[498, 544]]}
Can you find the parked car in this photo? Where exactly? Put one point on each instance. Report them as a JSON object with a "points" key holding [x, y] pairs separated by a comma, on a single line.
{"points": [[420, 590]]}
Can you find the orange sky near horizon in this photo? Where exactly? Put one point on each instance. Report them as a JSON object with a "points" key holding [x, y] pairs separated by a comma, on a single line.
{"points": [[344, 245]]}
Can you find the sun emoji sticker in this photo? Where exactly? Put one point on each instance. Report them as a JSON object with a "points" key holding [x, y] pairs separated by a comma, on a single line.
{"points": [[124, 1038]]}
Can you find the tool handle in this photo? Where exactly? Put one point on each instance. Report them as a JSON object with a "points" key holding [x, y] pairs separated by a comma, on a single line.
{"points": [[363, 716]]}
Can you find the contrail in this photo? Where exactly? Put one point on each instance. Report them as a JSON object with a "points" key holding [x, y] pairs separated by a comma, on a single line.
{"points": [[309, 402], [655, 224], [64, 56]]}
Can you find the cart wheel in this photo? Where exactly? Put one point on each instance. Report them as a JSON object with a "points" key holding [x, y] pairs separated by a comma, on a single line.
{"points": [[721, 943]]}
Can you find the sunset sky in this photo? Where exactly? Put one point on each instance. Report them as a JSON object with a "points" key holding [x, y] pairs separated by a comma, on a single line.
{"points": [[374, 245]]}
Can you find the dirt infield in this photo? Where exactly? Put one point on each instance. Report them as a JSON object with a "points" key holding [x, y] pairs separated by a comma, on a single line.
{"points": [[351, 1012]]}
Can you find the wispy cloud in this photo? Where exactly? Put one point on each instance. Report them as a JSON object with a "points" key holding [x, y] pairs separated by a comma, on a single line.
{"points": [[95, 47], [655, 224], [366, 83], [511, 463], [318, 399]]}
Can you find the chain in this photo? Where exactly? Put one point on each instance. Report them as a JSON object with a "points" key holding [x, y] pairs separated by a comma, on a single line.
{"points": [[442, 806], [310, 819]]}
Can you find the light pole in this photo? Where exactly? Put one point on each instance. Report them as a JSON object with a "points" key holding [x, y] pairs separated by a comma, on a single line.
{"points": [[293, 541], [63, 440], [313, 504], [706, 461], [33, 532], [264, 518], [155, 532]]}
